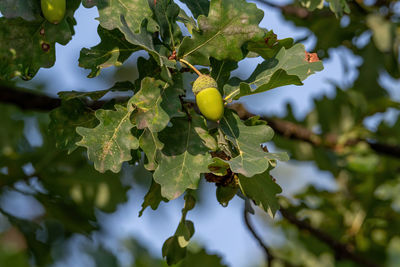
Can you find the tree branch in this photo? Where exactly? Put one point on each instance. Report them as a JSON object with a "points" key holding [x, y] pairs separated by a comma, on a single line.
{"points": [[294, 131], [342, 251], [292, 10], [26, 100], [268, 255]]}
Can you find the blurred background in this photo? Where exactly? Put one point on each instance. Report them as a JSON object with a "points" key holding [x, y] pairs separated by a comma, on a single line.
{"points": [[220, 229]]}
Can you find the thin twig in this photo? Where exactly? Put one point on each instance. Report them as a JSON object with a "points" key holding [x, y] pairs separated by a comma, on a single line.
{"points": [[268, 3], [268, 255], [191, 66]]}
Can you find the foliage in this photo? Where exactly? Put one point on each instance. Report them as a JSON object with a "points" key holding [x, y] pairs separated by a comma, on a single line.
{"points": [[90, 140]]}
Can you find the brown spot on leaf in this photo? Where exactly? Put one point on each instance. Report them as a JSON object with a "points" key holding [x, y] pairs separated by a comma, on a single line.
{"points": [[220, 154], [172, 56], [312, 57], [41, 31], [45, 47]]}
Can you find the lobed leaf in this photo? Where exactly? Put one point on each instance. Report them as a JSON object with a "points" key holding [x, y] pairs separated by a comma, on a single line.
{"points": [[26, 9], [96, 95], [150, 144], [113, 50], [156, 103], [110, 143], [288, 67], [27, 46], [250, 159], [262, 189], [166, 13], [221, 71], [198, 7], [183, 158], [153, 198], [175, 247], [269, 46], [64, 120], [144, 40], [135, 11], [221, 35]]}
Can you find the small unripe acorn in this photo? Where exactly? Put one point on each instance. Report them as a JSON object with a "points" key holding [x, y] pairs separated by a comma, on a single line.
{"points": [[208, 98], [53, 10]]}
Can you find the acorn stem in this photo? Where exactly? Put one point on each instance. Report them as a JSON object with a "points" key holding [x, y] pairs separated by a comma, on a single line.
{"points": [[191, 66]]}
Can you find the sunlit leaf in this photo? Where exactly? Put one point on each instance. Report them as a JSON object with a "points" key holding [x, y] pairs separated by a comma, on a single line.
{"points": [[288, 67], [110, 143], [229, 25]]}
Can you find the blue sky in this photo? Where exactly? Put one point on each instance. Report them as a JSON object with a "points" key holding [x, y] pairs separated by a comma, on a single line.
{"points": [[222, 230]]}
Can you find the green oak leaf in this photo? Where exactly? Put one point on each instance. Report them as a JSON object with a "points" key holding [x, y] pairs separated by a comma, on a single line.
{"points": [[288, 67], [262, 189], [96, 95], [166, 13], [175, 247], [150, 144], [113, 50], [144, 40], [225, 194], [183, 158], [189, 22], [109, 144], [153, 198], [65, 119], [148, 68], [21, 51], [156, 103], [26, 9], [63, 31], [229, 25], [221, 71], [218, 167], [27, 46], [269, 46], [198, 7], [135, 12], [247, 140]]}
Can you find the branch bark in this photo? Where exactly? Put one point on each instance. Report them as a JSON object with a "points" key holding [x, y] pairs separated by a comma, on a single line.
{"points": [[342, 251], [294, 131], [268, 255], [26, 100], [33, 101]]}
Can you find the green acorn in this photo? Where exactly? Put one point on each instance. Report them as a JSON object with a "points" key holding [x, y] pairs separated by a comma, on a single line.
{"points": [[208, 98], [53, 10]]}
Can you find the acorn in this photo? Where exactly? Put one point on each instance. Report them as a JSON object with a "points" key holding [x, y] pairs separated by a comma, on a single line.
{"points": [[53, 10], [208, 98]]}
